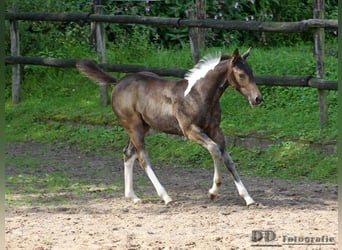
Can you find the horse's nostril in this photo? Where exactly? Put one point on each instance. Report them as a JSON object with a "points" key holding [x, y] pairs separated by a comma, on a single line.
{"points": [[258, 99]]}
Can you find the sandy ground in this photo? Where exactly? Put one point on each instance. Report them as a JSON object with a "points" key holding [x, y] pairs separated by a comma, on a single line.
{"points": [[290, 215]]}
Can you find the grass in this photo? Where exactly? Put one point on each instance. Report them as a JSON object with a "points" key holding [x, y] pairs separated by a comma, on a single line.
{"points": [[60, 106], [287, 160], [33, 181]]}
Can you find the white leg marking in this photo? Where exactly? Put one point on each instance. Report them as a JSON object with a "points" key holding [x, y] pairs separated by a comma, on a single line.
{"points": [[214, 191], [216, 155], [129, 192], [160, 189], [243, 192]]}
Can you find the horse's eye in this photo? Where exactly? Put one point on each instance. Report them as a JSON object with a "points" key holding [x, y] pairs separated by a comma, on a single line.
{"points": [[242, 76]]}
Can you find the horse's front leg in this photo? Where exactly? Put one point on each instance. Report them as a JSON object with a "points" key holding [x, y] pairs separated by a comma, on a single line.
{"points": [[197, 135], [215, 189], [237, 180], [218, 137], [216, 147]]}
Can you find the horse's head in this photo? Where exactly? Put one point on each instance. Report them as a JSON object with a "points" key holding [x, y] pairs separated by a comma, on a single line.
{"points": [[241, 78]]}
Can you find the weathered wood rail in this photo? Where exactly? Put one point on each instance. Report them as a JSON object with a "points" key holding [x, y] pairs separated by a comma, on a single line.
{"points": [[269, 80], [300, 26]]}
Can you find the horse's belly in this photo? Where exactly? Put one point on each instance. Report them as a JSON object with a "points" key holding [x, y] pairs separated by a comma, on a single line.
{"points": [[166, 124]]}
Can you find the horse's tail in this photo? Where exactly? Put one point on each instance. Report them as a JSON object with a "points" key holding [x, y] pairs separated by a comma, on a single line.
{"points": [[93, 71]]}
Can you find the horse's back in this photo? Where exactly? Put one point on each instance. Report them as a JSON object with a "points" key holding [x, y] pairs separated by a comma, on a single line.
{"points": [[149, 84]]}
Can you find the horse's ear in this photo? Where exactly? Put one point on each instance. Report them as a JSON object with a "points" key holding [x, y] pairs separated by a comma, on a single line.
{"points": [[246, 54], [235, 55]]}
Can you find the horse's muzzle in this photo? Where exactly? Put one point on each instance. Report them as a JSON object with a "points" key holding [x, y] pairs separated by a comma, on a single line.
{"points": [[258, 99], [255, 100]]}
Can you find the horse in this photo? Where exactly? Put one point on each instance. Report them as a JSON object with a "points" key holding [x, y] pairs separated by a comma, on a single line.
{"points": [[187, 107]]}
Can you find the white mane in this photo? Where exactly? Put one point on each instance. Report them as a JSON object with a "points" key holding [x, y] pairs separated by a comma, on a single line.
{"points": [[201, 69]]}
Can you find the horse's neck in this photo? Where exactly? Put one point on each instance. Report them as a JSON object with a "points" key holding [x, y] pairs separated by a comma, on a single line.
{"points": [[214, 83]]}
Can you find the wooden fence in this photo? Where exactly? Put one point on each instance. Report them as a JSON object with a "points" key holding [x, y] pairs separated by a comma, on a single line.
{"points": [[268, 80], [316, 26]]}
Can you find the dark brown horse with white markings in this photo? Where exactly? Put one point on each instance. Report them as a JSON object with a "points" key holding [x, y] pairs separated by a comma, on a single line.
{"points": [[188, 107]]}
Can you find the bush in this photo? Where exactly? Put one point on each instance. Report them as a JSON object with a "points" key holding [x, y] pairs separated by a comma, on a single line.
{"points": [[263, 10]]}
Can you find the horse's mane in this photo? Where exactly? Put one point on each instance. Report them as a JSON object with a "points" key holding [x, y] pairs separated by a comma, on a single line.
{"points": [[225, 57], [199, 71]]}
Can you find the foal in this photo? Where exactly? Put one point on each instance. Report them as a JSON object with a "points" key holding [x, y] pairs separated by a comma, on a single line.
{"points": [[188, 107]]}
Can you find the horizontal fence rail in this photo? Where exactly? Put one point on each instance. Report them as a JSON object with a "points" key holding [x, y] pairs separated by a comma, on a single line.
{"points": [[269, 80], [300, 26]]}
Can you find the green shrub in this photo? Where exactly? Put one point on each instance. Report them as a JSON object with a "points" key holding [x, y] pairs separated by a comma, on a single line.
{"points": [[75, 34]]}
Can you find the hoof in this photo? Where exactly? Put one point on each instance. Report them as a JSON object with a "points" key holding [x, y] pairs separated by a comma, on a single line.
{"points": [[214, 191], [136, 201], [133, 198], [167, 200], [252, 204], [170, 203], [212, 196]]}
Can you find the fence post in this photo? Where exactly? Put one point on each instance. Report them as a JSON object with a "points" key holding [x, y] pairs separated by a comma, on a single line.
{"points": [[16, 68], [197, 35], [101, 50], [193, 37], [319, 54], [201, 14]]}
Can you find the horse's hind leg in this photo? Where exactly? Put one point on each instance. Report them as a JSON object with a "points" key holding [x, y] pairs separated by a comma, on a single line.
{"points": [[237, 180], [130, 156], [136, 133], [153, 178]]}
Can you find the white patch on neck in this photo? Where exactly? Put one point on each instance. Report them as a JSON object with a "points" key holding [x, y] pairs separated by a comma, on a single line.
{"points": [[199, 71]]}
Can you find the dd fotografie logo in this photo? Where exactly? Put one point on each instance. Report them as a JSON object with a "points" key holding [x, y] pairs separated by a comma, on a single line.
{"points": [[268, 238]]}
